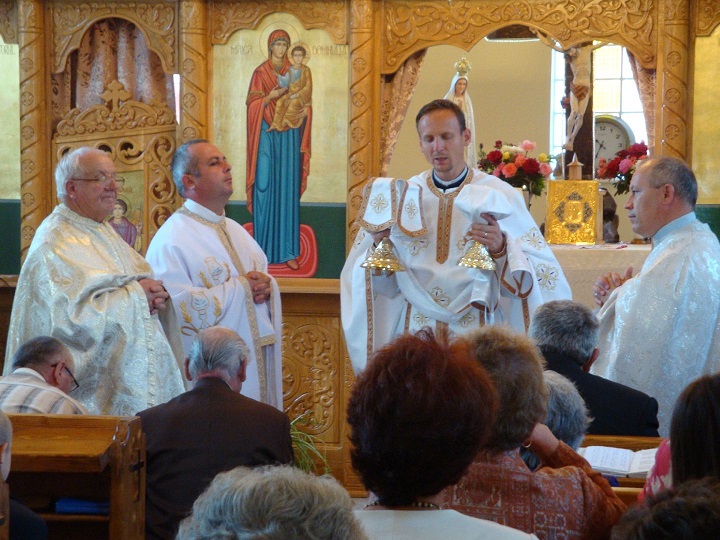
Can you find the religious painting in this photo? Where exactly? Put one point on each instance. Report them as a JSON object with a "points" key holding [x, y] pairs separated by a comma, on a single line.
{"points": [[127, 215], [284, 129]]}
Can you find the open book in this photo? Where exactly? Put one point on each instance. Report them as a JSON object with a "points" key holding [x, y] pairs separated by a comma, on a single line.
{"points": [[619, 461]]}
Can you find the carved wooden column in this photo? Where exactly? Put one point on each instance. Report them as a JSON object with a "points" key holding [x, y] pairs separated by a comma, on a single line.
{"points": [[671, 131], [364, 104], [36, 183], [193, 70]]}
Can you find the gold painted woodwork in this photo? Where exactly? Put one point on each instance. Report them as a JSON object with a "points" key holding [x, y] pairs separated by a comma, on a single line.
{"points": [[70, 21], [138, 137], [227, 17], [707, 17], [194, 55]]}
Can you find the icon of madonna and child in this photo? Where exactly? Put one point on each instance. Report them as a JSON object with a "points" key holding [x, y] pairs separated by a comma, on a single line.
{"points": [[279, 120]]}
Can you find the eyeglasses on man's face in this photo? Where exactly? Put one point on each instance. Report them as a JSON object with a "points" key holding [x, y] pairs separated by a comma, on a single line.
{"points": [[104, 180], [76, 384]]}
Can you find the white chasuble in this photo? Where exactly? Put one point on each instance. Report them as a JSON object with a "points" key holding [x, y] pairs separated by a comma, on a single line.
{"points": [[661, 329], [434, 291], [79, 284], [202, 259]]}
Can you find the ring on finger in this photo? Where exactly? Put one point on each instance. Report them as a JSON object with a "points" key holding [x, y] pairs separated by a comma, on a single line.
{"points": [[485, 234]]}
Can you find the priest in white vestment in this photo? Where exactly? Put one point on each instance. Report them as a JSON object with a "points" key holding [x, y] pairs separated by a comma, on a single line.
{"points": [[430, 236], [215, 272], [660, 330], [84, 285]]}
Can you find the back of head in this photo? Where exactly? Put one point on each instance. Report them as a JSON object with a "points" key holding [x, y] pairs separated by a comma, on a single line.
{"points": [[565, 327], [671, 170], [74, 165], [418, 414], [272, 503], [690, 511], [567, 417], [442, 105], [515, 367], [695, 430], [37, 353], [183, 162], [217, 349]]}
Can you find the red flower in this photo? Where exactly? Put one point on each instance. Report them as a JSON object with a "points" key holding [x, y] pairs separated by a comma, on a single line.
{"points": [[613, 167], [495, 157], [498, 144], [531, 166], [638, 150]]}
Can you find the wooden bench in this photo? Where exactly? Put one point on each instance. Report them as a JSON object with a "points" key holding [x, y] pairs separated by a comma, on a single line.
{"points": [[96, 458], [620, 441]]}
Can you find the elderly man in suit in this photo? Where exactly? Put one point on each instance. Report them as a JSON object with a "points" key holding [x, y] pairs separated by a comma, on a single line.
{"points": [[207, 430], [567, 334]]}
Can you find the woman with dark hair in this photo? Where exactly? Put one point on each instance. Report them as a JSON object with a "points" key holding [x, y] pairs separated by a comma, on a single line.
{"points": [[695, 436], [418, 414], [565, 496]]}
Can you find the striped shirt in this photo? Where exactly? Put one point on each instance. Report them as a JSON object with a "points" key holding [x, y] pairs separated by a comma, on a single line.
{"points": [[25, 391]]}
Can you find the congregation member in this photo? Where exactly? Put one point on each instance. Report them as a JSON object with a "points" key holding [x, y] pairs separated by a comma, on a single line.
{"points": [[207, 430], [409, 440], [272, 503], [214, 270], [689, 512], [565, 497], [430, 236], [567, 334], [84, 285], [660, 329], [42, 375], [566, 417], [693, 450], [24, 523]]}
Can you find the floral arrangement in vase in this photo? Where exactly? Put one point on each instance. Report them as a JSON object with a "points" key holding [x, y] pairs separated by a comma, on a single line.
{"points": [[513, 164], [621, 168]]}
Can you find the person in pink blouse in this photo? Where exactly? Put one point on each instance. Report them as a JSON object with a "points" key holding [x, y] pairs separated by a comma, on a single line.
{"points": [[564, 497]]}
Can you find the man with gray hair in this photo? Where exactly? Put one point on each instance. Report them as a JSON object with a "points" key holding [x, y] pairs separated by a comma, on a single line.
{"points": [[273, 503], [84, 285], [42, 375], [214, 270], [207, 430], [566, 333], [660, 330]]}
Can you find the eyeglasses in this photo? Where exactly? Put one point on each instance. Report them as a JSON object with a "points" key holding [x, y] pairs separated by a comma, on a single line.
{"points": [[76, 384], [104, 180]]}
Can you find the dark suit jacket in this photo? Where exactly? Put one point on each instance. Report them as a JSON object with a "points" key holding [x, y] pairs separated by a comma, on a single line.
{"points": [[191, 438], [617, 409]]}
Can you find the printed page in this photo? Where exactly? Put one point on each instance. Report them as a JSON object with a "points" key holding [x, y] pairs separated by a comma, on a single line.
{"points": [[609, 460], [642, 462]]}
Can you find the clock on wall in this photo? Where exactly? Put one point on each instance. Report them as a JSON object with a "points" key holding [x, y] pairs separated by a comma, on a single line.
{"points": [[611, 135]]}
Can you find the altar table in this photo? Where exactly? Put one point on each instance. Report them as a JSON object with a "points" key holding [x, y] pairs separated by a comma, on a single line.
{"points": [[583, 264]]}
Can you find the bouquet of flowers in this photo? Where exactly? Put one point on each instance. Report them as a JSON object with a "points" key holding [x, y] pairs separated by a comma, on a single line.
{"points": [[622, 167], [512, 164]]}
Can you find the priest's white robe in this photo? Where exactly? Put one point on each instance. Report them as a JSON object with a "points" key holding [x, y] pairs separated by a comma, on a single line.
{"points": [[434, 291], [660, 330], [202, 259], [79, 284]]}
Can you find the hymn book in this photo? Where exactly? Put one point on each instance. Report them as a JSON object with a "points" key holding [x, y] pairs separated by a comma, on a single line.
{"points": [[619, 461]]}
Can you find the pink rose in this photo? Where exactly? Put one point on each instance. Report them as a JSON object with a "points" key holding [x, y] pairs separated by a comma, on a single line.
{"points": [[498, 170], [519, 160], [509, 170], [545, 169], [625, 165], [528, 146]]}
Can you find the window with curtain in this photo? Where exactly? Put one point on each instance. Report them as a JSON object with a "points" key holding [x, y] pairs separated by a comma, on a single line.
{"points": [[614, 92]]}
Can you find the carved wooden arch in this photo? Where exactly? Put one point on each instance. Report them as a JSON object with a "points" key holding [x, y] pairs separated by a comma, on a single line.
{"points": [[157, 22], [8, 21], [412, 26], [708, 17], [228, 17]]}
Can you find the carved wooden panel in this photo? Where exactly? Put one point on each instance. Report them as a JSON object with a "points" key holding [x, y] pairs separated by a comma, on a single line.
{"points": [[229, 16], [194, 53], [8, 21], [138, 137], [156, 19], [708, 17], [36, 182], [411, 26]]}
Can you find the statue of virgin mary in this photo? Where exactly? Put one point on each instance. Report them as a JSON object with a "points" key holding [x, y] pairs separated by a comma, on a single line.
{"points": [[459, 95]]}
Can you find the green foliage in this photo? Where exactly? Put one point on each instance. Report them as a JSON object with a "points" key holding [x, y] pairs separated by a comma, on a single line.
{"points": [[305, 446]]}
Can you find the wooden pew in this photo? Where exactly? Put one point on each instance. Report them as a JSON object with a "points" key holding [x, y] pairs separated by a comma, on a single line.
{"points": [[620, 441], [97, 458]]}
